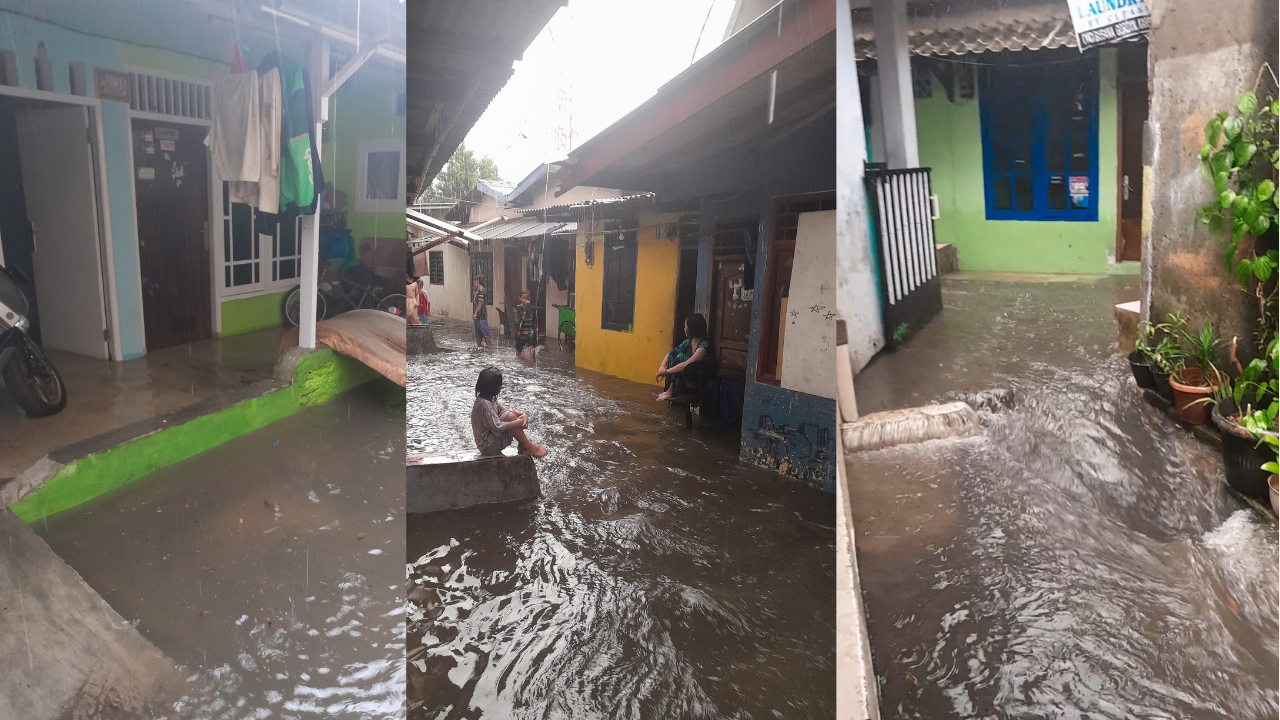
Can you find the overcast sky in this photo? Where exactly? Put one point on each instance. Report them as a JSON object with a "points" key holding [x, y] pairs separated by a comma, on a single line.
{"points": [[607, 57]]}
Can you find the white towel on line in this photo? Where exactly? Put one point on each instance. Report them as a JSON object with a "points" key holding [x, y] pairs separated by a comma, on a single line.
{"points": [[236, 140]]}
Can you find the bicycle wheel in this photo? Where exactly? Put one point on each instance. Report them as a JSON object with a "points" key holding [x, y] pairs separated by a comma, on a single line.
{"points": [[393, 304], [292, 305]]}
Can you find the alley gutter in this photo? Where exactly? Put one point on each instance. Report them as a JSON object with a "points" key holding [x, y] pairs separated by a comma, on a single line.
{"points": [[81, 471], [856, 691]]}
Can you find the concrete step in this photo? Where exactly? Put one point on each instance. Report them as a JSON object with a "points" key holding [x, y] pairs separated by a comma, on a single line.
{"points": [[453, 481], [64, 652]]}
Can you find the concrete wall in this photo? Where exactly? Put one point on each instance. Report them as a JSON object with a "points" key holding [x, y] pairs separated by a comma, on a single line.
{"points": [[1200, 57], [453, 298], [950, 142], [857, 279], [362, 109], [632, 354]]}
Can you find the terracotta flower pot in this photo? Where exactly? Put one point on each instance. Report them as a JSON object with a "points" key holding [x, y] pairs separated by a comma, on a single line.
{"points": [[1189, 386]]}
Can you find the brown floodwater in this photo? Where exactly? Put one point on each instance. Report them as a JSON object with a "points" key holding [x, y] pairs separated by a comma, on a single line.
{"points": [[657, 577], [268, 567], [1083, 558]]}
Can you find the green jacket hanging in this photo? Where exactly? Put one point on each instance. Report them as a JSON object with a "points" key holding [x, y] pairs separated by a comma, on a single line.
{"points": [[296, 171]]}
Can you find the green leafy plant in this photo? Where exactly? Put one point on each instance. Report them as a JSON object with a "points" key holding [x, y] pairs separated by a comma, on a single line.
{"points": [[1260, 381], [1162, 350], [1201, 351], [1241, 158], [900, 332]]}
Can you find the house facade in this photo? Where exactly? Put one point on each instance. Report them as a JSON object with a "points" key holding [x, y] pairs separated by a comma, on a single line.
{"points": [[1034, 149], [523, 246], [736, 152], [141, 221]]}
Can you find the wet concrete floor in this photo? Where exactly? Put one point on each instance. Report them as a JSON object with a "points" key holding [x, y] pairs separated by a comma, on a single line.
{"points": [[268, 567], [1083, 558], [103, 395], [658, 577]]}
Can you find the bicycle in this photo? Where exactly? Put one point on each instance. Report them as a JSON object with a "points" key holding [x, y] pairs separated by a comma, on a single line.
{"points": [[332, 292]]}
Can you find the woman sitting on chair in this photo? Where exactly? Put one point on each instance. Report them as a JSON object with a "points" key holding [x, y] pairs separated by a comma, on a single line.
{"points": [[695, 348]]}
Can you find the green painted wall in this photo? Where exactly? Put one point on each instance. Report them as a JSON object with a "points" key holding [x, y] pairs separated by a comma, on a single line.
{"points": [[319, 376], [251, 313], [169, 62], [362, 110], [950, 142]]}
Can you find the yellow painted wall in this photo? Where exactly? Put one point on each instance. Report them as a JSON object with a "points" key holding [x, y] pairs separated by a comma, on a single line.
{"points": [[633, 355]]}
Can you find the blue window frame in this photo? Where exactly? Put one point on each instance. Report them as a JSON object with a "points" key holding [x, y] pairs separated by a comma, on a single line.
{"points": [[1040, 140]]}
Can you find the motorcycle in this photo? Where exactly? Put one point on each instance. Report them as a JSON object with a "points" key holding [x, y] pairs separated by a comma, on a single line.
{"points": [[31, 378]]}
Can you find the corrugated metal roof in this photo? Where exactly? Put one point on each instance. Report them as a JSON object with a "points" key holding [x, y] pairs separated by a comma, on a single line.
{"points": [[520, 228], [460, 55], [624, 200]]}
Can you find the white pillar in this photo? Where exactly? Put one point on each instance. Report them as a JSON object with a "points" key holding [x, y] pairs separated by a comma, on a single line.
{"points": [[893, 61], [857, 288], [318, 67]]}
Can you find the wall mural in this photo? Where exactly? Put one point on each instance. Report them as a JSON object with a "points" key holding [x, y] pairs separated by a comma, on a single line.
{"points": [[804, 452]]}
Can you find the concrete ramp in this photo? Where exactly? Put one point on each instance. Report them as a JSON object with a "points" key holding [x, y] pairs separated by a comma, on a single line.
{"points": [[452, 482], [64, 652], [375, 338]]}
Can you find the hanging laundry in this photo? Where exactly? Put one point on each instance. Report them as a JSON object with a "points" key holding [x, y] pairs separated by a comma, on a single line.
{"points": [[300, 173], [265, 193], [269, 180], [236, 140]]}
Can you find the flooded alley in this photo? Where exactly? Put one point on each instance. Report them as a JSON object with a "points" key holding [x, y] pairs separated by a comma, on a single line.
{"points": [[656, 577], [1082, 557], [267, 567]]}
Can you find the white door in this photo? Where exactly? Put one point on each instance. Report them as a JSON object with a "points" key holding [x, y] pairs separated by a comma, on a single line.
{"points": [[57, 179]]}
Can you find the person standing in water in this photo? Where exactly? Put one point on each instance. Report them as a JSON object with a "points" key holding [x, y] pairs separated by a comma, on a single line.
{"points": [[479, 316], [523, 317], [493, 426]]}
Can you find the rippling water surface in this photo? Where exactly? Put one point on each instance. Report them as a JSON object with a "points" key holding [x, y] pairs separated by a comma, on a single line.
{"points": [[656, 578], [1082, 559], [267, 567]]}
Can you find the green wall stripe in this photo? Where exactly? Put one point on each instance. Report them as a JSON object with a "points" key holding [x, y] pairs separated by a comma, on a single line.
{"points": [[251, 313], [319, 376]]}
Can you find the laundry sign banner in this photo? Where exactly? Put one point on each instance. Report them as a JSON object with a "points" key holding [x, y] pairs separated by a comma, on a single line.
{"points": [[1100, 22]]}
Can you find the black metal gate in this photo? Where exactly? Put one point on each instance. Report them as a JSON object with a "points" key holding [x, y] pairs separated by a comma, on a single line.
{"points": [[901, 211]]}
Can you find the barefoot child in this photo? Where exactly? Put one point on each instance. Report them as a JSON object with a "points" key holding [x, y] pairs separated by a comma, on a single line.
{"points": [[494, 426]]}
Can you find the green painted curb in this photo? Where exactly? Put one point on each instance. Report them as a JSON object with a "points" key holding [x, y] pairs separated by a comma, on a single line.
{"points": [[319, 376]]}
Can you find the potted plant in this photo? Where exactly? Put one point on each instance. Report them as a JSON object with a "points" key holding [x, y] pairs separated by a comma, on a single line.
{"points": [[1195, 375], [1163, 356], [1140, 360], [1273, 441], [1245, 414]]}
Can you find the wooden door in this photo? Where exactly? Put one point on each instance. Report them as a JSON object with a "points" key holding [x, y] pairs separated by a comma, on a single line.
{"points": [[731, 309], [511, 283], [1133, 98], [686, 291], [172, 189]]}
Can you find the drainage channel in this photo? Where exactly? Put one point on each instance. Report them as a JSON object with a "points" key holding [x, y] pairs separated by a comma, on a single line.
{"points": [[656, 577], [1079, 556], [268, 567]]}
